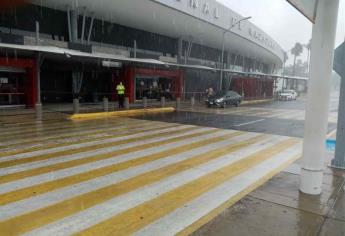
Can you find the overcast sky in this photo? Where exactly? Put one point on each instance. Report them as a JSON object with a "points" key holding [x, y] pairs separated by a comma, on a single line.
{"points": [[281, 21]]}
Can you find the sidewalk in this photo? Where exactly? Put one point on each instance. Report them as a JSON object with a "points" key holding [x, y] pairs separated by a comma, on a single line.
{"points": [[278, 208]]}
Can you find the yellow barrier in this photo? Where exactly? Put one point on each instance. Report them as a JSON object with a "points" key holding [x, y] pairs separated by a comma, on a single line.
{"points": [[121, 113]]}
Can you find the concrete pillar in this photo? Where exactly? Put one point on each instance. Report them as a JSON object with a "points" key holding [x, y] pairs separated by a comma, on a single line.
{"points": [[38, 111], [74, 25], [126, 103], [38, 105], [162, 101], [315, 130], [105, 104], [178, 103], [192, 101], [76, 106], [144, 102], [179, 50]]}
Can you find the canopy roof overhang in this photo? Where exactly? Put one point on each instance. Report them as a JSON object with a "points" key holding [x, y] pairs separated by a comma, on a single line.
{"points": [[69, 53]]}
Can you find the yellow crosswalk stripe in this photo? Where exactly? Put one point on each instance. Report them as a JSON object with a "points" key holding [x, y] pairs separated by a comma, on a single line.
{"points": [[132, 220], [73, 163], [56, 184], [88, 131], [130, 130], [70, 126], [215, 212], [40, 217], [47, 156]]}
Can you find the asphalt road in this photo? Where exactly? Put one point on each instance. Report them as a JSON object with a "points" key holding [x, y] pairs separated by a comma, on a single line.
{"points": [[276, 117]]}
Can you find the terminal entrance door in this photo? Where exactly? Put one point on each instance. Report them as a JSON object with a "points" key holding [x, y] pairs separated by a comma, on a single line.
{"points": [[153, 87]]}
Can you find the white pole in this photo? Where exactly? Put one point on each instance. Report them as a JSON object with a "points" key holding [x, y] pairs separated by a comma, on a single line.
{"points": [[321, 64], [222, 64]]}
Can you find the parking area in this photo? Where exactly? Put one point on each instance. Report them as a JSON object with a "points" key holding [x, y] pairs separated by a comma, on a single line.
{"points": [[124, 175]]}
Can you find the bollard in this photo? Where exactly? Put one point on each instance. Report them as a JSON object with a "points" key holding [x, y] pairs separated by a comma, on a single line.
{"points": [[178, 103], [192, 101], [144, 102], [162, 101], [105, 104], [38, 111], [126, 103], [76, 106]]}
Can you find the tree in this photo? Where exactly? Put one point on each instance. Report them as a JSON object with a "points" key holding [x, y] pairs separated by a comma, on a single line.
{"points": [[286, 57], [297, 50], [308, 47]]}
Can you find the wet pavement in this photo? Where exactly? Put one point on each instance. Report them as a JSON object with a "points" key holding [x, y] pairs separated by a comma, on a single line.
{"points": [[66, 176], [278, 208], [255, 118]]}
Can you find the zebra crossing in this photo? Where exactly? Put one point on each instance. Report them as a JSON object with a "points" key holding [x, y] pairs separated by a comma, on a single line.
{"points": [[123, 176]]}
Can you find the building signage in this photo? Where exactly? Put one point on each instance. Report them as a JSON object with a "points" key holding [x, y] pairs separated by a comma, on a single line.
{"points": [[206, 9], [214, 12], [114, 64]]}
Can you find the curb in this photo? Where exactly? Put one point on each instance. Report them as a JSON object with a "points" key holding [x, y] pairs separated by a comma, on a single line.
{"points": [[121, 113], [256, 101]]}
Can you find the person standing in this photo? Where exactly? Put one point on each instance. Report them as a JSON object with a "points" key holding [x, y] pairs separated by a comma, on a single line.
{"points": [[120, 88]]}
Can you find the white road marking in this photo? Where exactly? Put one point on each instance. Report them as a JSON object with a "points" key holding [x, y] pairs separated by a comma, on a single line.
{"points": [[184, 216], [249, 123]]}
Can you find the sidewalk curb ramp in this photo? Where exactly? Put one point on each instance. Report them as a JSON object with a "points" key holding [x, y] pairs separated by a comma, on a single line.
{"points": [[121, 113]]}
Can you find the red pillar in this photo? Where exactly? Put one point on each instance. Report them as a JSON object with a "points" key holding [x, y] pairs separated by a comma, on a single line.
{"points": [[179, 84], [31, 87]]}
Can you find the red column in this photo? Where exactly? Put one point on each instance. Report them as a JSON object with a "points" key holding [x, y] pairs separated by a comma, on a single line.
{"points": [[31, 87], [127, 78]]}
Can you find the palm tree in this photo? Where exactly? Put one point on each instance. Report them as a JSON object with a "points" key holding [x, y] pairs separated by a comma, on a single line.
{"points": [[297, 50], [285, 58], [308, 46]]}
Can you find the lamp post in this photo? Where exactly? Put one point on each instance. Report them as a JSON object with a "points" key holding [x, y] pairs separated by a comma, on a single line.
{"points": [[223, 42]]}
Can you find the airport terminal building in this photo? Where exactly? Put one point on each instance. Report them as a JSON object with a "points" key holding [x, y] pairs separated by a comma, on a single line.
{"points": [[52, 51]]}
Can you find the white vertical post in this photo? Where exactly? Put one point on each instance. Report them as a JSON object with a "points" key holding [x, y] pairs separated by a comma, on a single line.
{"points": [[37, 33], [76, 106], [162, 101], [105, 104], [126, 103], [83, 26], [38, 105], [135, 49], [321, 64]]}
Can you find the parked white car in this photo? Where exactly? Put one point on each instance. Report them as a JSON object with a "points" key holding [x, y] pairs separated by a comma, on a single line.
{"points": [[287, 95]]}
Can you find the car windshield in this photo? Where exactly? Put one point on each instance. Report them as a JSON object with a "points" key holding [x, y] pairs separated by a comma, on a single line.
{"points": [[232, 94], [221, 93]]}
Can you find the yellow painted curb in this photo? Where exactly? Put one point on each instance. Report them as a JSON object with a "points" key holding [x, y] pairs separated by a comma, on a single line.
{"points": [[121, 113], [256, 101]]}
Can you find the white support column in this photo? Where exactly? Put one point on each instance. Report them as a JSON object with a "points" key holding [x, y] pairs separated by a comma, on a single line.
{"points": [[74, 25], [83, 26], [315, 130]]}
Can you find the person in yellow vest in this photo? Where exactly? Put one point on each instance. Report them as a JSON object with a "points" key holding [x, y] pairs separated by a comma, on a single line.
{"points": [[120, 88]]}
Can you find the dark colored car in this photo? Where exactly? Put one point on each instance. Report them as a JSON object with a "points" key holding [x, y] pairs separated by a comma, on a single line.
{"points": [[223, 98]]}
